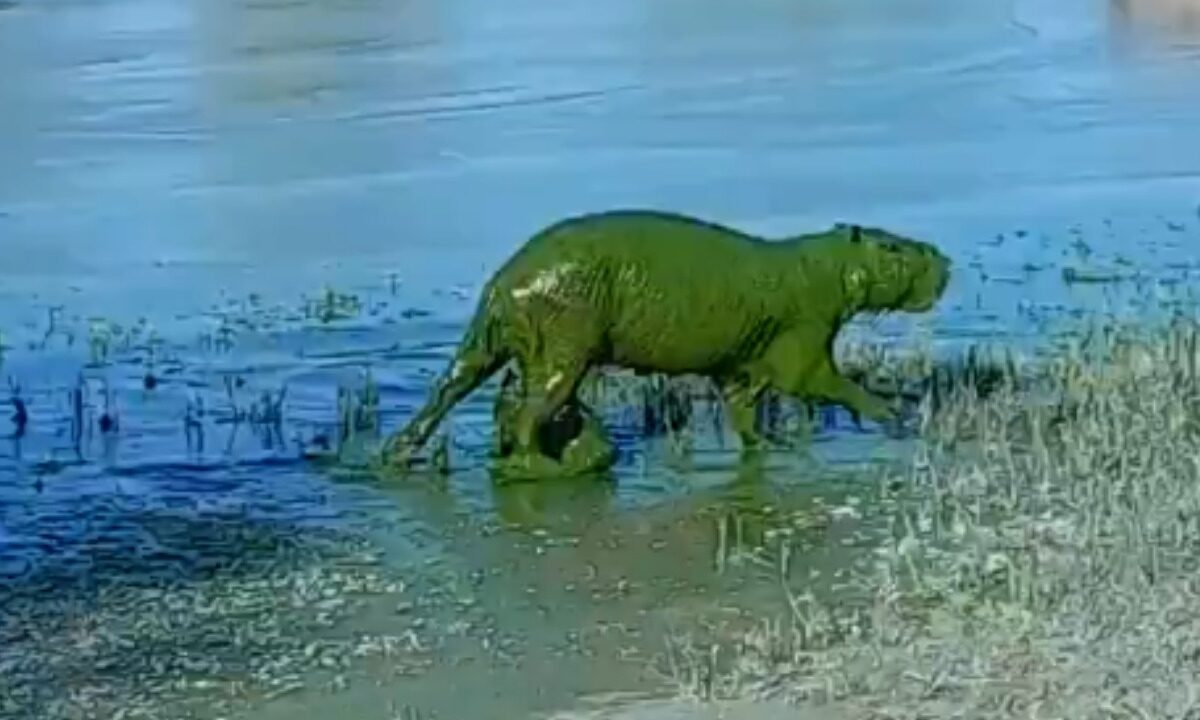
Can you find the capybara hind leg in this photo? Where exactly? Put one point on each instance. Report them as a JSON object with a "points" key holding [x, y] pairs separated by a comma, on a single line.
{"points": [[504, 413], [465, 374], [573, 436], [591, 451], [548, 385]]}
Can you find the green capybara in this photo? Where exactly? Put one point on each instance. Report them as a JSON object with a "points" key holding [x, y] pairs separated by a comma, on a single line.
{"points": [[665, 293], [572, 441]]}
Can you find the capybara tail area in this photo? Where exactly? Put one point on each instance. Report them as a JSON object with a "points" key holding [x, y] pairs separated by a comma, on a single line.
{"points": [[480, 354]]}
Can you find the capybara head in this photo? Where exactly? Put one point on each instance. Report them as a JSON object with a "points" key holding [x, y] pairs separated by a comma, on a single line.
{"points": [[883, 271]]}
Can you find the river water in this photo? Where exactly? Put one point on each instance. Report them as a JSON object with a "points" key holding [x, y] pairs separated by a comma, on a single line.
{"points": [[203, 171]]}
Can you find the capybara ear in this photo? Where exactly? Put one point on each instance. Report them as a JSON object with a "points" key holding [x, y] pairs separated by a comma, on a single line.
{"points": [[854, 286]]}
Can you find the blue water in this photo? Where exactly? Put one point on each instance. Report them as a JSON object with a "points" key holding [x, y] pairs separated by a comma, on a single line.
{"points": [[208, 168]]}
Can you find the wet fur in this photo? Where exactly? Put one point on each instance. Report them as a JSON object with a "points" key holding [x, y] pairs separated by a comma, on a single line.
{"points": [[665, 293]]}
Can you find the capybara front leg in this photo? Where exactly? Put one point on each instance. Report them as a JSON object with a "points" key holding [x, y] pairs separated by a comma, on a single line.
{"points": [[828, 385]]}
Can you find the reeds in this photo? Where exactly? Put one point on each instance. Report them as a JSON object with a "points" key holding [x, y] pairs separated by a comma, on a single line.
{"points": [[1042, 555]]}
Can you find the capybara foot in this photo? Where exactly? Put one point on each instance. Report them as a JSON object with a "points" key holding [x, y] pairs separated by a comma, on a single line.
{"points": [[527, 467]]}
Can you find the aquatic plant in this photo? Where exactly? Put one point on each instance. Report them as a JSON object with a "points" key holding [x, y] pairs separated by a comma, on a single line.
{"points": [[109, 421], [331, 305], [20, 413], [356, 427], [193, 423], [101, 334]]}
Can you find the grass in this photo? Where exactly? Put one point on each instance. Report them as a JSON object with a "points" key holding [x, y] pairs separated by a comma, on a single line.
{"points": [[1042, 562]]}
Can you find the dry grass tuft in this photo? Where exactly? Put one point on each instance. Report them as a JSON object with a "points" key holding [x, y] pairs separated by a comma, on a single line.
{"points": [[1043, 554]]}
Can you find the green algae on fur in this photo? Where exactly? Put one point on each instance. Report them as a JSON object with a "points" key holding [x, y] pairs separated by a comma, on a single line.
{"points": [[665, 293]]}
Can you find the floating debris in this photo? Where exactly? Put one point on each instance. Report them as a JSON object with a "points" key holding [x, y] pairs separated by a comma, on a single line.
{"points": [[1073, 276]]}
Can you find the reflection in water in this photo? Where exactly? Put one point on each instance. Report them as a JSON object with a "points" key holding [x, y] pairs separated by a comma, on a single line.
{"points": [[1178, 20], [750, 486], [277, 79], [18, 94], [553, 505], [563, 506]]}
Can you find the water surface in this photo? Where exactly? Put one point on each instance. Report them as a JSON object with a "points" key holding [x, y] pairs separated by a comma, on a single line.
{"points": [[208, 169]]}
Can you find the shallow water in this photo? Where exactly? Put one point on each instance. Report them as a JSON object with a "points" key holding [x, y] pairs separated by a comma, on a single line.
{"points": [[205, 166]]}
